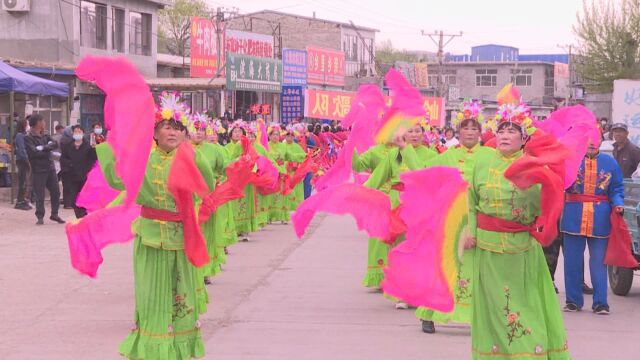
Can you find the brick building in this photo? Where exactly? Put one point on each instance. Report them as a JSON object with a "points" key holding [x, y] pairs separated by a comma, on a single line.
{"points": [[297, 32]]}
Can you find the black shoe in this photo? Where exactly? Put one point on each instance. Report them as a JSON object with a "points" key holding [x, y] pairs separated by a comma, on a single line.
{"points": [[428, 327], [207, 281], [22, 206], [556, 288], [571, 307], [57, 219], [586, 289], [40, 221], [601, 310], [68, 207]]}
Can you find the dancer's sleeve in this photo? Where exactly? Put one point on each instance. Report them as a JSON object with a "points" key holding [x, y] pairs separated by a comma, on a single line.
{"points": [[383, 172], [107, 162], [295, 153], [616, 188], [473, 202], [363, 162], [410, 157], [205, 167]]}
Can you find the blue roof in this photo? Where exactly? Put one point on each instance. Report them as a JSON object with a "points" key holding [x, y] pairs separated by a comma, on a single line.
{"points": [[12, 79]]}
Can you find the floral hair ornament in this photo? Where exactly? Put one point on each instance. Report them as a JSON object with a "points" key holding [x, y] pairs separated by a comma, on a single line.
{"points": [[198, 122], [512, 110], [239, 124], [469, 110], [172, 108]]}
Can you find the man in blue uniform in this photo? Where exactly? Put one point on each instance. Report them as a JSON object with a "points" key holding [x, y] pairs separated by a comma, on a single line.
{"points": [[597, 191]]}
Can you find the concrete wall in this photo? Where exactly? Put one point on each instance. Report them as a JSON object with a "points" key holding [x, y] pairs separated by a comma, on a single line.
{"points": [[40, 36], [466, 80], [600, 105], [297, 33]]}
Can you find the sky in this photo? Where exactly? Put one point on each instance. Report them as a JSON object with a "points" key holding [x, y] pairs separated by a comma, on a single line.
{"points": [[535, 27]]}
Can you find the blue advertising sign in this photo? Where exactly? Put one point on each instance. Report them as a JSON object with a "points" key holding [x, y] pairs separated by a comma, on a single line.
{"points": [[294, 65], [291, 103]]}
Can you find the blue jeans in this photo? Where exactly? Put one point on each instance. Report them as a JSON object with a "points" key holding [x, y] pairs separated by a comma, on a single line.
{"points": [[574, 264]]}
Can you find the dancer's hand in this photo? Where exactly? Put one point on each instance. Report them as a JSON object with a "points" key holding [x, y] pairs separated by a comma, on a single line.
{"points": [[469, 242]]}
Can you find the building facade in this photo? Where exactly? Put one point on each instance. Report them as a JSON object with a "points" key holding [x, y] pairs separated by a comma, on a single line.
{"points": [[297, 32], [53, 35]]}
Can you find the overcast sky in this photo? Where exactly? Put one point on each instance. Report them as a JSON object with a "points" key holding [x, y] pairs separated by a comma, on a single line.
{"points": [[537, 26]]}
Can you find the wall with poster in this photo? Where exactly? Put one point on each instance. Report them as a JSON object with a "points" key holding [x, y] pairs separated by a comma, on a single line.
{"points": [[247, 43], [204, 47], [334, 105], [325, 67], [291, 103], [294, 67], [253, 74], [626, 106]]}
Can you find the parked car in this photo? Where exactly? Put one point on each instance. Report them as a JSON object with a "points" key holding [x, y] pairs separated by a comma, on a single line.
{"points": [[621, 279]]}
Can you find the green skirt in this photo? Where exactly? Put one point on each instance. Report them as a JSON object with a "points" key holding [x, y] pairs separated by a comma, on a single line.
{"points": [[278, 210], [376, 261], [245, 211], [167, 310], [262, 214], [462, 310], [295, 197], [213, 230], [229, 234], [515, 309]]}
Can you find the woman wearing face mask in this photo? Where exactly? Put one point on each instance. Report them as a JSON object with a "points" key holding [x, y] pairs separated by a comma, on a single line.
{"points": [[97, 136], [76, 161], [294, 156], [515, 309], [276, 202]]}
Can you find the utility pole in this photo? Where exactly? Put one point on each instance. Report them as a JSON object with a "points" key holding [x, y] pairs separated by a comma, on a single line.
{"points": [[219, 32], [440, 43]]}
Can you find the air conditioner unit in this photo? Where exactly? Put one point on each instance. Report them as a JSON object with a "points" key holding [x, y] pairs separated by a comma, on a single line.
{"points": [[15, 5]]}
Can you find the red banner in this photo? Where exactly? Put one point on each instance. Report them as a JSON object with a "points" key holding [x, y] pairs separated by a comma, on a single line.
{"points": [[204, 47], [325, 66], [334, 105]]}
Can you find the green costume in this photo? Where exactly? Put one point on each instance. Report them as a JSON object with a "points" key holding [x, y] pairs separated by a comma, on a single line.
{"points": [[424, 154], [262, 201], [212, 229], [382, 162], [244, 210], [276, 202], [294, 155], [224, 214], [169, 291], [515, 310], [462, 158]]}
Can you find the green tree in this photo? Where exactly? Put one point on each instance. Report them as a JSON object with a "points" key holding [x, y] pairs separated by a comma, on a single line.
{"points": [[608, 34], [387, 54], [174, 26]]}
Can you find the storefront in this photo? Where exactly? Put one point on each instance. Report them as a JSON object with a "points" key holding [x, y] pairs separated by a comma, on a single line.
{"points": [[254, 86]]}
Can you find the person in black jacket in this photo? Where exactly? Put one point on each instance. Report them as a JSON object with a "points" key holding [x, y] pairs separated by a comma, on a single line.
{"points": [[78, 157], [24, 170], [39, 146]]}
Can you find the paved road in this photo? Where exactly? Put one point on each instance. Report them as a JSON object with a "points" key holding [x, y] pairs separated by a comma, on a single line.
{"points": [[278, 298]]}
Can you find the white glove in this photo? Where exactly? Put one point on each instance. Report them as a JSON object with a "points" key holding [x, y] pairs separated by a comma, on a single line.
{"points": [[39, 147]]}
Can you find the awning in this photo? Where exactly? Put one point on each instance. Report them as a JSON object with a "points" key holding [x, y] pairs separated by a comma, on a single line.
{"points": [[12, 79], [187, 83]]}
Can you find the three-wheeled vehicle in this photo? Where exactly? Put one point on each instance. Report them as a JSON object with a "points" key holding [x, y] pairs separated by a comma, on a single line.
{"points": [[621, 279]]}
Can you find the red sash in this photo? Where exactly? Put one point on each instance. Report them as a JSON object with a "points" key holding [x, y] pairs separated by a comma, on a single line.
{"points": [[159, 214]]}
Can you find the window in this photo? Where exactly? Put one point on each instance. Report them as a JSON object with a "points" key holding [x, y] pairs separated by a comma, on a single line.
{"points": [[521, 77], [93, 25], [117, 35], [486, 77], [139, 33], [350, 47], [448, 77]]}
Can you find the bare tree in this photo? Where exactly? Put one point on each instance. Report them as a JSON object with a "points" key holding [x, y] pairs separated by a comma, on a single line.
{"points": [[175, 26], [608, 34]]}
